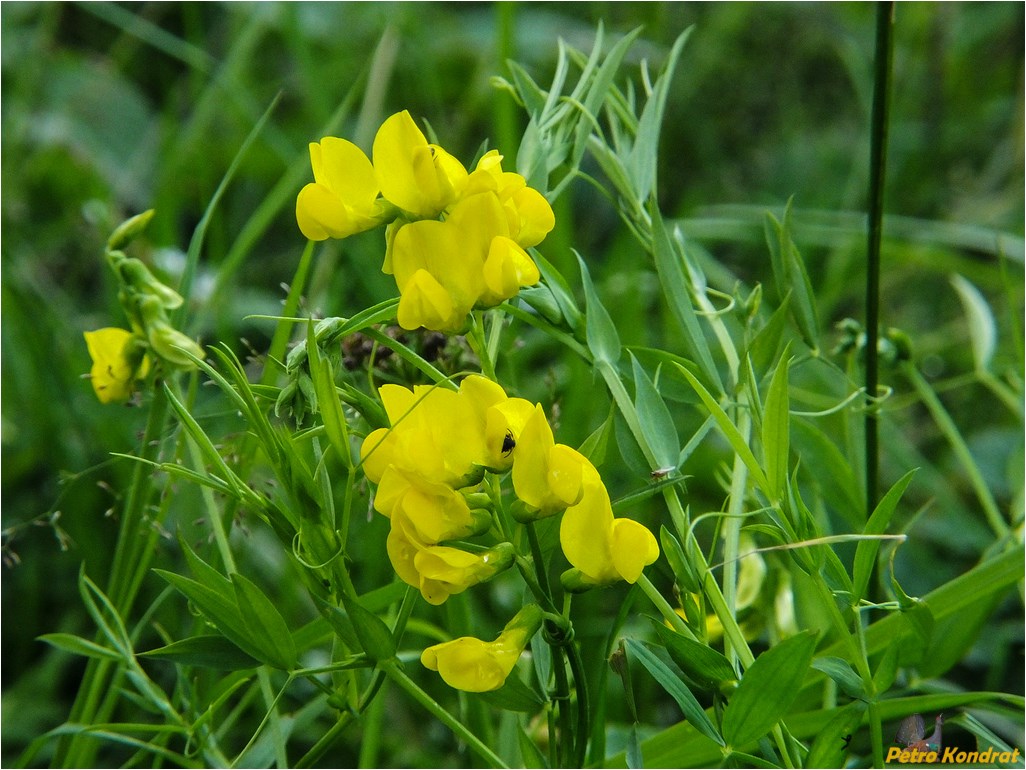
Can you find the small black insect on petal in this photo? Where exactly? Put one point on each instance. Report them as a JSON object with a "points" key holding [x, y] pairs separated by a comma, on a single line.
{"points": [[508, 442]]}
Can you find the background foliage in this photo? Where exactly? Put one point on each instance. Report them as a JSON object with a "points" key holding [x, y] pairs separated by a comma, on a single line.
{"points": [[111, 109]]}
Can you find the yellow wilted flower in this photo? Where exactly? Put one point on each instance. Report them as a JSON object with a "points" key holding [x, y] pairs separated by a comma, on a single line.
{"points": [[119, 360], [473, 665]]}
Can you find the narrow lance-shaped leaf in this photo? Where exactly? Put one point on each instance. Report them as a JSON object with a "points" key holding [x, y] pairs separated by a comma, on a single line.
{"points": [[673, 685], [265, 624], [643, 157], [328, 402], [982, 328], [767, 689], [207, 651], [776, 430], [674, 280], [866, 551], [655, 419], [728, 429], [600, 331], [79, 646]]}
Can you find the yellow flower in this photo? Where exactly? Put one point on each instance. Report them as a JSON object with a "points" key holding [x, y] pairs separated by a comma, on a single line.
{"points": [[118, 361], [601, 548], [548, 477], [443, 435], [434, 512], [528, 214], [473, 665], [444, 571], [343, 199], [445, 269], [420, 178]]}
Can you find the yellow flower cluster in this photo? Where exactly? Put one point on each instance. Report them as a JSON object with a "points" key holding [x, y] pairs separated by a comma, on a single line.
{"points": [[455, 240], [441, 441], [427, 466]]}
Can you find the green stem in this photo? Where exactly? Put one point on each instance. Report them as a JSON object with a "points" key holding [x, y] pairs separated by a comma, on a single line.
{"points": [[75, 751], [561, 697], [668, 613], [283, 331], [476, 338], [732, 527], [877, 166], [960, 448], [394, 671]]}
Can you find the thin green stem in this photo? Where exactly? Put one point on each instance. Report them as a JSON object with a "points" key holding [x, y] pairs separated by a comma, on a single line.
{"points": [[660, 603], [960, 448], [283, 332], [394, 671], [877, 167]]}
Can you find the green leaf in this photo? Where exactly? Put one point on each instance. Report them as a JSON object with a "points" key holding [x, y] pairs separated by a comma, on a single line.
{"points": [[767, 689], [866, 551], [560, 289], [776, 427], [764, 345], [655, 419], [728, 429], [682, 568], [675, 282], [673, 685], [886, 670], [828, 750], [375, 637], [328, 403], [982, 328], [265, 624], [218, 609], [791, 276], [207, 651], [514, 695], [76, 645], [841, 672], [635, 760], [600, 331], [594, 447], [706, 667], [641, 164]]}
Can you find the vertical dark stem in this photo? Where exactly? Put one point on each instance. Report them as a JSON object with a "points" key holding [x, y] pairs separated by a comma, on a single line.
{"points": [[877, 167]]}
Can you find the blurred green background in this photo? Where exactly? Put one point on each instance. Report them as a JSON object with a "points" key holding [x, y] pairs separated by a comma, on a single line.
{"points": [[110, 109]]}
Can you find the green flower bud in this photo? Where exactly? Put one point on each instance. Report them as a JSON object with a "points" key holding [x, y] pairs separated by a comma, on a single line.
{"points": [[136, 275], [127, 231], [166, 342]]}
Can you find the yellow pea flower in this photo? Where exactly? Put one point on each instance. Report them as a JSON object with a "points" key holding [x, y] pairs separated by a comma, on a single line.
{"points": [[439, 572], [118, 362], [438, 275], [422, 440], [444, 269], [446, 571], [343, 198], [528, 213], [473, 665], [420, 178], [548, 477], [435, 511], [601, 548]]}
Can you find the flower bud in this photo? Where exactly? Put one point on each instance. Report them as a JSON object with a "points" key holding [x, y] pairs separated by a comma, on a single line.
{"points": [[136, 275], [127, 231]]}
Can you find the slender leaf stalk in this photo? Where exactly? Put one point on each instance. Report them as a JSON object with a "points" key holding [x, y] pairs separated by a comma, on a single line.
{"points": [[877, 166]]}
